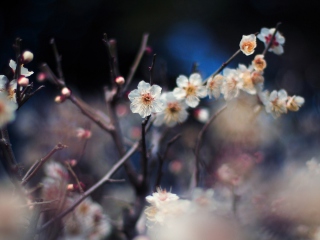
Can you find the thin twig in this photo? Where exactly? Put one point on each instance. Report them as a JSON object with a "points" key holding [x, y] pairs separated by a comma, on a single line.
{"points": [[163, 158], [272, 38], [17, 72], [116, 180], [199, 141], [223, 65], [136, 61], [144, 157], [35, 167], [106, 178], [111, 59], [58, 59], [9, 158], [151, 69], [74, 176]]}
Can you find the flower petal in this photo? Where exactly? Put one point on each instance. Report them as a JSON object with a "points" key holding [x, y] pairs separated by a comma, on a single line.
{"points": [[192, 101], [182, 81], [195, 79], [155, 91], [143, 85], [134, 94], [202, 91], [179, 93]]}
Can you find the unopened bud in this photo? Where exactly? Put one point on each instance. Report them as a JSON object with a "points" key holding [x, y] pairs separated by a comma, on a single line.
{"points": [[70, 187], [27, 56], [120, 80], [59, 99], [202, 114], [23, 81], [83, 133], [65, 92], [41, 77]]}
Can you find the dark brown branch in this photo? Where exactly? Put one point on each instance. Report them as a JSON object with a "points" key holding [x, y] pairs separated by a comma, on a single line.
{"points": [[144, 157], [9, 158], [136, 61], [35, 167], [163, 158], [58, 59], [272, 38], [74, 176], [199, 141], [105, 179], [90, 113]]}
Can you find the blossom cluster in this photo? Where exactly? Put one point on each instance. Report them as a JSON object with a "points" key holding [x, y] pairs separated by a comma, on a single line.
{"points": [[87, 221], [170, 217], [171, 107]]}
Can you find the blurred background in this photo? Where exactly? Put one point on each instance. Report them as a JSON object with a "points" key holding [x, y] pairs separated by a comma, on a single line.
{"points": [[181, 33]]}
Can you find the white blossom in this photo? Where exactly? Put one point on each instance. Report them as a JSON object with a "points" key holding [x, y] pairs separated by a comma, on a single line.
{"points": [[294, 103], [231, 85], [7, 109], [23, 71], [275, 103], [246, 83], [265, 36], [259, 63], [190, 89], [146, 99], [214, 86], [160, 197], [9, 88], [248, 43], [174, 111]]}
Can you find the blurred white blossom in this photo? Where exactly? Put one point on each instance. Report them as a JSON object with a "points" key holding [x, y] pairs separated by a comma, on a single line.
{"points": [[174, 111], [214, 86], [23, 71], [7, 109]]}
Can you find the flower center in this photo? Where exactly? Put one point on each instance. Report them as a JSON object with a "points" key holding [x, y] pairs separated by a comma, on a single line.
{"points": [[147, 98], [174, 107], [190, 90], [274, 42], [249, 46]]}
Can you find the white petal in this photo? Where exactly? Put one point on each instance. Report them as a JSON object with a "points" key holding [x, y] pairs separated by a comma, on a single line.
{"points": [[25, 72], [155, 91], [13, 65], [179, 93], [283, 94], [299, 100], [273, 95], [157, 106], [265, 31], [134, 94], [183, 115], [277, 50], [143, 85], [261, 38], [195, 79], [192, 101], [280, 38], [3, 81], [201, 91], [182, 81]]}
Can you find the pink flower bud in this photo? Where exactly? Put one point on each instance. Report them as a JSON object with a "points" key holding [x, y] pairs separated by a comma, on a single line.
{"points": [[41, 77], [60, 99], [83, 133], [120, 80], [27, 56], [23, 81], [65, 92], [70, 187], [202, 114]]}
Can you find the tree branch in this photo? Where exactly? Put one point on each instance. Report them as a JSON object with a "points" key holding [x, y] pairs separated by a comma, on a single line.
{"points": [[199, 141]]}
